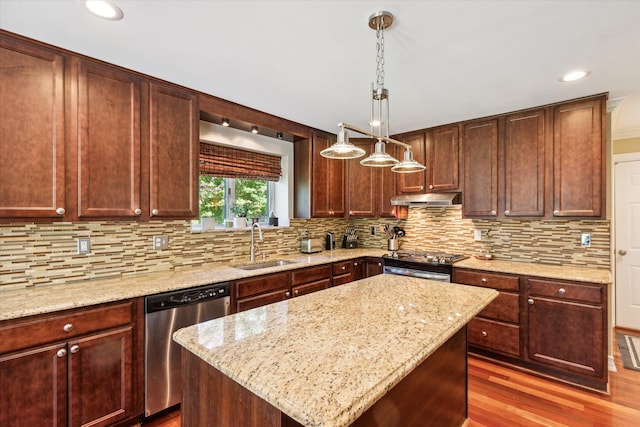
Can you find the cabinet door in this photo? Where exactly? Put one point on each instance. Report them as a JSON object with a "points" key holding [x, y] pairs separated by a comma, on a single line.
{"points": [[362, 191], [101, 378], [32, 135], [174, 152], [578, 161], [357, 269], [410, 183], [566, 335], [33, 387], [385, 190], [480, 157], [373, 267], [328, 181], [443, 149], [108, 141], [311, 287], [524, 149]]}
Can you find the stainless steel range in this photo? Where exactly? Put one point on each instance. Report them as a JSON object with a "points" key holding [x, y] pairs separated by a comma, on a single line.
{"points": [[427, 265]]}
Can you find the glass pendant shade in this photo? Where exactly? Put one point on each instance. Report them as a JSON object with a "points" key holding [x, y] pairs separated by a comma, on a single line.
{"points": [[408, 164], [379, 158], [343, 149]]}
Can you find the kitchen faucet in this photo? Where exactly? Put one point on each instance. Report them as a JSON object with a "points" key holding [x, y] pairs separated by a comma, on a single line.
{"points": [[252, 247]]}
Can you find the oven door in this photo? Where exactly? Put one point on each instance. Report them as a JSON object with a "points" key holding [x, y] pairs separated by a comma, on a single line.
{"points": [[411, 272]]}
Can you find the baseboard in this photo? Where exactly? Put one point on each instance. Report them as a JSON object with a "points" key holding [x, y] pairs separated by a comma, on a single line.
{"points": [[612, 364]]}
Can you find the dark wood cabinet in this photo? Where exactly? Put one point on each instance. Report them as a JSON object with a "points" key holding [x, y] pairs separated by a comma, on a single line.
{"points": [[480, 171], [566, 325], [328, 181], [79, 367], [373, 266], [108, 142], [524, 164], [411, 183], [342, 273], [443, 148], [310, 279], [174, 135], [579, 158], [32, 134]]}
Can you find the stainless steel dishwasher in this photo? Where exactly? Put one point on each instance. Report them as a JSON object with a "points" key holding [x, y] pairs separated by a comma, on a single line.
{"points": [[164, 314]]}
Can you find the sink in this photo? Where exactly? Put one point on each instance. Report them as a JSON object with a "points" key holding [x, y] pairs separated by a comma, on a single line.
{"points": [[265, 264]]}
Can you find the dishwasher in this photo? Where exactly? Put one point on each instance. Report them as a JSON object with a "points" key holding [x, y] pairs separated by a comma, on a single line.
{"points": [[164, 314]]}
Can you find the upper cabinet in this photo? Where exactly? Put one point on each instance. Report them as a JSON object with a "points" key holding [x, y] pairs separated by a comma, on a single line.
{"points": [[411, 183], [443, 158], [578, 158], [480, 157], [32, 133]]}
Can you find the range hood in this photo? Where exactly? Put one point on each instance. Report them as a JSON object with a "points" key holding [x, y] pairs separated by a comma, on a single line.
{"points": [[429, 199]]}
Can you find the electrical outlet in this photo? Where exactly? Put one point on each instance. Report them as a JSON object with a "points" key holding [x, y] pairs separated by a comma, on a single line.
{"points": [[373, 230], [84, 245], [477, 235], [160, 242], [585, 240]]}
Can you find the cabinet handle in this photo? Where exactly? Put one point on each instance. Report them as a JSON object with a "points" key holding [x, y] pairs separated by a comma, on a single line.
{"points": [[68, 327], [493, 212], [430, 186], [154, 212], [421, 187], [74, 348], [287, 294], [379, 264], [344, 267], [530, 301], [62, 352], [556, 212], [137, 211], [295, 292], [483, 280], [562, 291], [484, 333], [355, 264], [350, 212], [507, 212], [60, 211], [622, 252]]}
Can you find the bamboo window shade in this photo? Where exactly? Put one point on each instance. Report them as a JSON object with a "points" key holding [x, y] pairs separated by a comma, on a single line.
{"points": [[227, 162]]}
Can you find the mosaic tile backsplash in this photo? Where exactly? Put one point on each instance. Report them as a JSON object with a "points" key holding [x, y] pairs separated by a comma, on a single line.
{"points": [[45, 254]]}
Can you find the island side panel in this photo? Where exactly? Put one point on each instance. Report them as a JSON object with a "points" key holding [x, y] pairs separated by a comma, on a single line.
{"points": [[211, 399]]}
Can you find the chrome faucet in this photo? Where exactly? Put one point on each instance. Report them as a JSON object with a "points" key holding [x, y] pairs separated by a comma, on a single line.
{"points": [[252, 247]]}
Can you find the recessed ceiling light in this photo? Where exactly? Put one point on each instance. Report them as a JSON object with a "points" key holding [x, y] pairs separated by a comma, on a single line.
{"points": [[574, 75], [104, 9]]}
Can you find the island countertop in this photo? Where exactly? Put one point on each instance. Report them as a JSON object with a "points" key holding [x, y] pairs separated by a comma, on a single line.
{"points": [[325, 358]]}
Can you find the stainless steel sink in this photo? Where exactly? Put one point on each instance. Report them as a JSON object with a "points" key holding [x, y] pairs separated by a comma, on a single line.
{"points": [[265, 264]]}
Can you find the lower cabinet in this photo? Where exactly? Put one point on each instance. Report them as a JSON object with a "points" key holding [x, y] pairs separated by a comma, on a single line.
{"points": [[373, 266], [311, 279], [348, 271], [554, 327], [82, 367], [262, 290]]}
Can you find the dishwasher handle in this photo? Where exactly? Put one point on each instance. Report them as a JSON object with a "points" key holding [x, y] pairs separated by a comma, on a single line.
{"points": [[175, 299]]}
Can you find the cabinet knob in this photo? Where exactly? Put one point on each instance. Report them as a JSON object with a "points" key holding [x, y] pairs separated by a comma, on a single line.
{"points": [[530, 301], [137, 211], [483, 280], [344, 267], [622, 252], [430, 186], [60, 211], [74, 348], [556, 212], [350, 212], [421, 187], [287, 294], [154, 212], [379, 264], [295, 292], [355, 264], [493, 212], [68, 327], [484, 333], [62, 352], [562, 291], [507, 212]]}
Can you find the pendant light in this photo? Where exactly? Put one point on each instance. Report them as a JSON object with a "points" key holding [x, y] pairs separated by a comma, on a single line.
{"points": [[378, 117]]}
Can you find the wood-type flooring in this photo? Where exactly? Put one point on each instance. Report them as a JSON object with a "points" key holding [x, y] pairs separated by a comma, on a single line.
{"points": [[503, 397]]}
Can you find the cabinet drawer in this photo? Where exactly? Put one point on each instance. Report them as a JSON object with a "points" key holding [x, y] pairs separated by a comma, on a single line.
{"points": [[494, 336], [342, 279], [506, 307], [261, 284], [489, 280], [261, 300], [342, 267], [312, 274], [590, 293], [50, 328], [311, 287]]}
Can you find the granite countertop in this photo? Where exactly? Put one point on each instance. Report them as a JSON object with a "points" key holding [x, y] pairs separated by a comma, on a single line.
{"points": [[16, 303], [563, 272], [326, 357]]}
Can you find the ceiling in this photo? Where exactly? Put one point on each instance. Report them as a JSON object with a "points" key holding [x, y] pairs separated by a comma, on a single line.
{"points": [[312, 61]]}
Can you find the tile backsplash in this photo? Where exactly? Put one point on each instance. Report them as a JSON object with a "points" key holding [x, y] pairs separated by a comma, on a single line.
{"points": [[44, 254]]}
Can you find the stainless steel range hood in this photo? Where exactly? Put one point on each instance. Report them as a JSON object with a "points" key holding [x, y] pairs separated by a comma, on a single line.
{"points": [[429, 199]]}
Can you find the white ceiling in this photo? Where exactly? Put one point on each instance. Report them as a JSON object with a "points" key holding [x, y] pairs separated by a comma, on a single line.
{"points": [[312, 61]]}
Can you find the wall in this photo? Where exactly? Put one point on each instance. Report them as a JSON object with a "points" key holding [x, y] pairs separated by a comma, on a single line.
{"points": [[623, 146]]}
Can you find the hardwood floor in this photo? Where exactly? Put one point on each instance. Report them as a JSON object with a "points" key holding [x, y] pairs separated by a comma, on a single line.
{"points": [[504, 397]]}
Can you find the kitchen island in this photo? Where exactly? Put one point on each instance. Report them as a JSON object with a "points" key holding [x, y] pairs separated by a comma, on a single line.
{"points": [[383, 351]]}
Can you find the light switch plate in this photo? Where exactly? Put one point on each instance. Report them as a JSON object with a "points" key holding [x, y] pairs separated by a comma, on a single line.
{"points": [[160, 242], [477, 235], [585, 240], [84, 245]]}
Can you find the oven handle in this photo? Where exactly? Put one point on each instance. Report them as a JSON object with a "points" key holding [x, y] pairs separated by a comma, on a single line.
{"points": [[441, 277]]}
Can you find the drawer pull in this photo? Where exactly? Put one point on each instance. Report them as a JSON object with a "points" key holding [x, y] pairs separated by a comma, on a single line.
{"points": [[562, 291], [379, 264], [344, 267], [62, 352], [493, 212], [430, 186], [137, 211], [530, 301], [154, 212], [74, 348], [483, 280], [287, 294], [68, 327], [60, 211], [484, 333], [556, 212], [507, 212], [295, 292]]}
